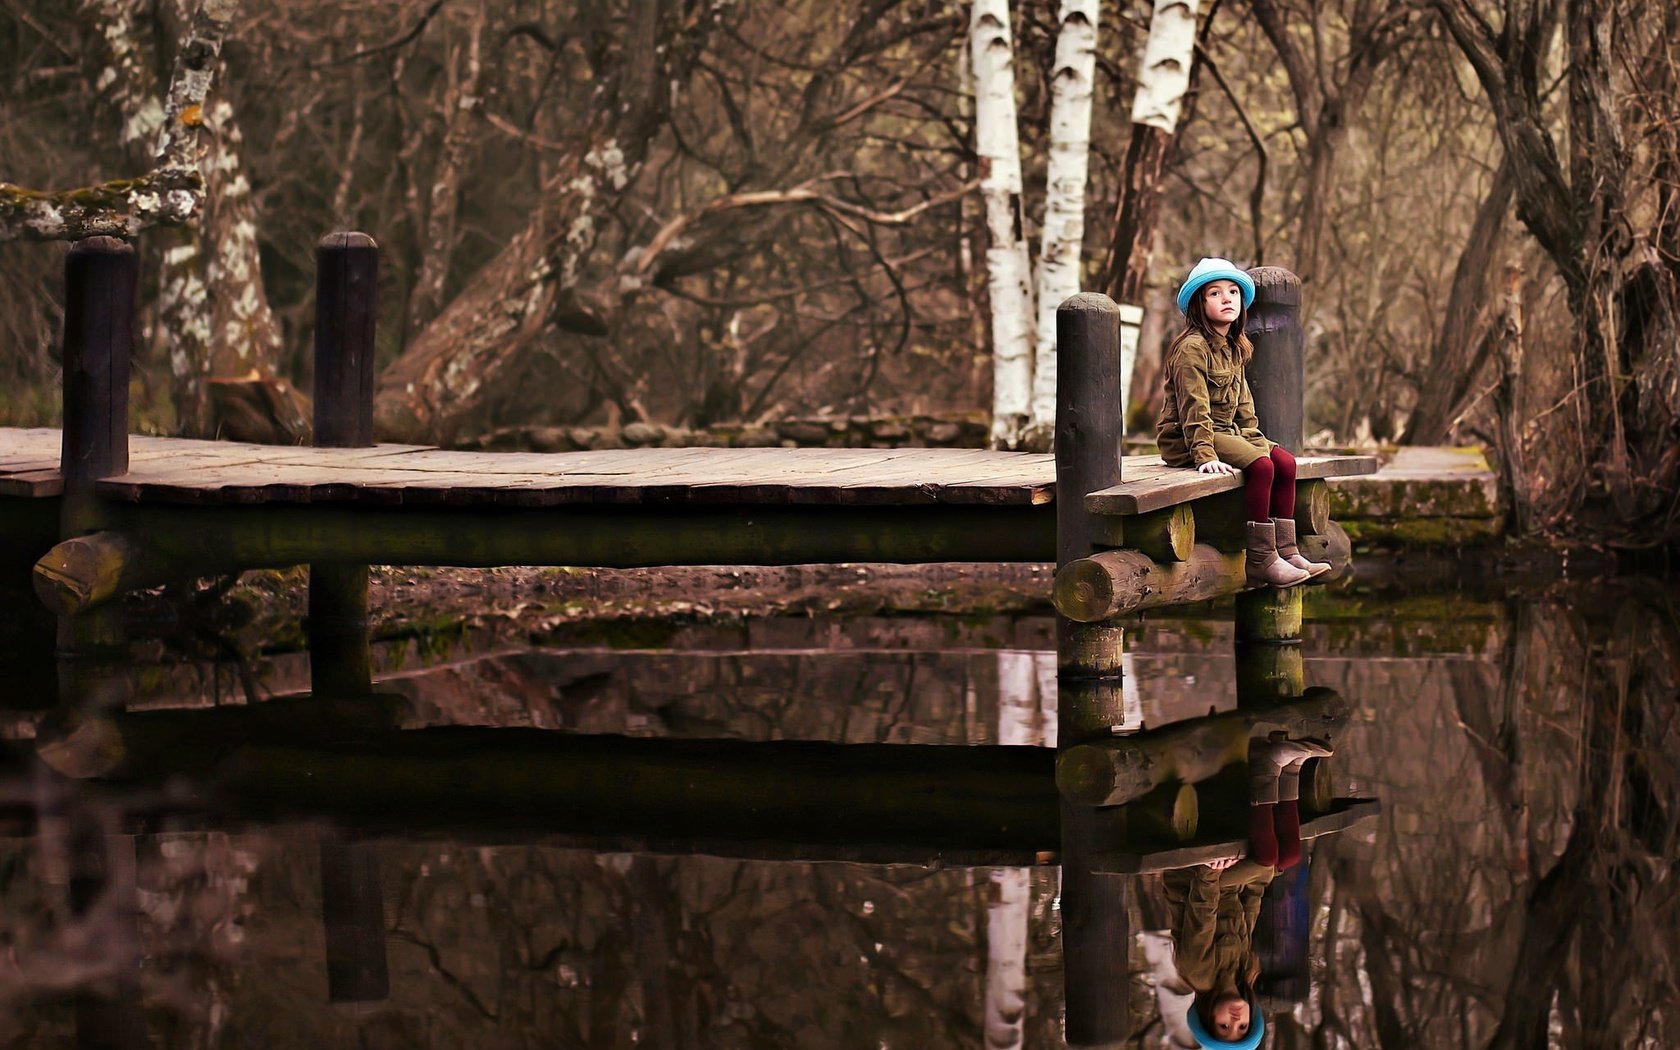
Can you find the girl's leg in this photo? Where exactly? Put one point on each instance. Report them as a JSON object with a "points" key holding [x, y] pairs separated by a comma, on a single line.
{"points": [[1283, 511], [1274, 791], [1283, 483], [1257, 493]]}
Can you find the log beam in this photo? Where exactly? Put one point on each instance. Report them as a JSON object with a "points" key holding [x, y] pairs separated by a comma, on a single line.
{"points": [[153, 543], [1114, 772], [1117, 582], [1166, 535]]}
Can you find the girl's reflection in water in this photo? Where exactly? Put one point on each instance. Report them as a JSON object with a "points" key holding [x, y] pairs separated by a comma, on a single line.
{"points": [[1214, 906]]}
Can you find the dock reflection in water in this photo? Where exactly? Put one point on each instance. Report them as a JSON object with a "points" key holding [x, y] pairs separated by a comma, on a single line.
{"points": [[855, 839]]}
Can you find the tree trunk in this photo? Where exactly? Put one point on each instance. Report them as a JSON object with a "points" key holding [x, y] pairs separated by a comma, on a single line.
{"points": [[1008, 267], [1460, 347], [1062, 247], [459, 103], [1024, 718], [531, 286], [1163, 79]]}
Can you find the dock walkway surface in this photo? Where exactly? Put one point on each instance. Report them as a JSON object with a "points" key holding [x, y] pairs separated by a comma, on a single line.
{"points": [[185, 471]]}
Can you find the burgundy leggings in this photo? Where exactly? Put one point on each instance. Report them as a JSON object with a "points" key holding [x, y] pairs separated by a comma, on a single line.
{"points": [[1274, 834], [1270, 492]]}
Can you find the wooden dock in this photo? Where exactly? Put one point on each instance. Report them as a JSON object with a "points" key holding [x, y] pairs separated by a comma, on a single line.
{"points": [[201, 473]]}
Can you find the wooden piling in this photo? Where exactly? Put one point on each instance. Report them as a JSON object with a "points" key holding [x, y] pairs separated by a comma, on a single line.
{"points": [[1277, 373], [1088, 434], [1096, 933], [346, 309], [1269, 614], [99, 279], [99, 275], [353, 912]]}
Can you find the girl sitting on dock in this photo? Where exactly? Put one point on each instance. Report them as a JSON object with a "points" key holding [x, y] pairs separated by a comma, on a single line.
{"points": [[1214, 906], [1207, 419]]}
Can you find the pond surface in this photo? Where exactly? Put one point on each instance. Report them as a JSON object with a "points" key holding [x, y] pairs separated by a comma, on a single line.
{"points": [[582, 847]]}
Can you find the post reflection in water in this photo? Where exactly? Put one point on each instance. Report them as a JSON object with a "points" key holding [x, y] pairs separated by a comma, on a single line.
{"points": [[1208, 811], [563, 847]]}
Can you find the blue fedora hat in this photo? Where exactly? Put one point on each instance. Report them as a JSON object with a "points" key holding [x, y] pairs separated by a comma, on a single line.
{"points": [[1215, 269]]}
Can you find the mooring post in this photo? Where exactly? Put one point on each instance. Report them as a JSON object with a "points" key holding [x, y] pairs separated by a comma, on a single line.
{"points": [[1277, 377], [99, 278], [346, 309], [353, 913], [1096, 936], [1088, 434]]}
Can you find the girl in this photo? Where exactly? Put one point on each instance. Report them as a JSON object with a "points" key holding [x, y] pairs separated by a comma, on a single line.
{"points": [[1214, 906], [1207, 419]]}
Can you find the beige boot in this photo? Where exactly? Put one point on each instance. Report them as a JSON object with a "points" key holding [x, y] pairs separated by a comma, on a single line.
{"points": [[1264, 567], [1289, 552]]}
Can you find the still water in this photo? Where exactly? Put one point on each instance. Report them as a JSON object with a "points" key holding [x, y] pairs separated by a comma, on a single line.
{"points": [[581, 845]]}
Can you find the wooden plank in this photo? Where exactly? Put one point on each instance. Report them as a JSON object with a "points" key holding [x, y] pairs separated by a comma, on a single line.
{"points": [[1347, 813], [1172, 486]]}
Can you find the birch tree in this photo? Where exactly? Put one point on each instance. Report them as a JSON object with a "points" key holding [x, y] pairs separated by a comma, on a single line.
{"points": [[1163, 78], [1008, 268], [1026, 716], [1072, 85]]}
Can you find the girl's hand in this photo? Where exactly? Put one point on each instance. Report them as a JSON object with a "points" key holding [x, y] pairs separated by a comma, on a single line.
{"points": [[1214, 466], [1222, 863]]}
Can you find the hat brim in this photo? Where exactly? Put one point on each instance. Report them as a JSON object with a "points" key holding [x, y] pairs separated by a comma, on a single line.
{"points": [[1251, 1041], [1197, 282]]}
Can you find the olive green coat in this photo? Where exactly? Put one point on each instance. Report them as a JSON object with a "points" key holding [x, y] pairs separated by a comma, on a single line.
{"points": [[1208, 410], [1213, 914]]}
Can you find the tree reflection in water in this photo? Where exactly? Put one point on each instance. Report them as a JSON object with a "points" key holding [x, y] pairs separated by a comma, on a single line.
{"points": [[1517, 890]]}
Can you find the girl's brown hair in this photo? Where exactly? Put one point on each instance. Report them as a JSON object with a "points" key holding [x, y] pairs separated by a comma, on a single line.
{"points": [[1198, 324]]}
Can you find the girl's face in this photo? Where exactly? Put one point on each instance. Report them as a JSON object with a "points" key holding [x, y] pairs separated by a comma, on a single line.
{"points": [[1230, 1014], [1221, 302]]}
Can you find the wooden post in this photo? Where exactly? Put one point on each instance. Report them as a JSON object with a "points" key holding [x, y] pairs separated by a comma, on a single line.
{"points": [[103, 880], [353, 911], [1277, 374], [346, 308], [1088, 434], [1096, 936], [99, 277]]}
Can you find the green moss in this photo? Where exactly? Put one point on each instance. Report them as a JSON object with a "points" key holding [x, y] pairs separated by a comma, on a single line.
{"points": [[1423, 532]]}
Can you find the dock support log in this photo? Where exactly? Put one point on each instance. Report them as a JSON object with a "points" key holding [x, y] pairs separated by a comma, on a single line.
{"points": [[346, 309], [1119, 582], [1114, 772], [99, 278]]}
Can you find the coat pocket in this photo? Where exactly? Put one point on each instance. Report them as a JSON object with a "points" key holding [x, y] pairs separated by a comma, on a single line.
{"points": [[1224, 386]]}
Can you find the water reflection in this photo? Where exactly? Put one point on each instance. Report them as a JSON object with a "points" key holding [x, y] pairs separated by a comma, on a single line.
{"points": [[401, 872]]}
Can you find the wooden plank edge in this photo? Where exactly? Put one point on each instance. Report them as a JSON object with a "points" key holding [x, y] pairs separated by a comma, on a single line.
{"points": [[1349, 813]]}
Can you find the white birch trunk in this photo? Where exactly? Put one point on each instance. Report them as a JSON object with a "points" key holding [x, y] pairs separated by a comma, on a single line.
{"points": [[1163, 78], [1164, 74], [1024, 718], [1063, 240], [1172, 995], [1131, 323], [1009, 270]]}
